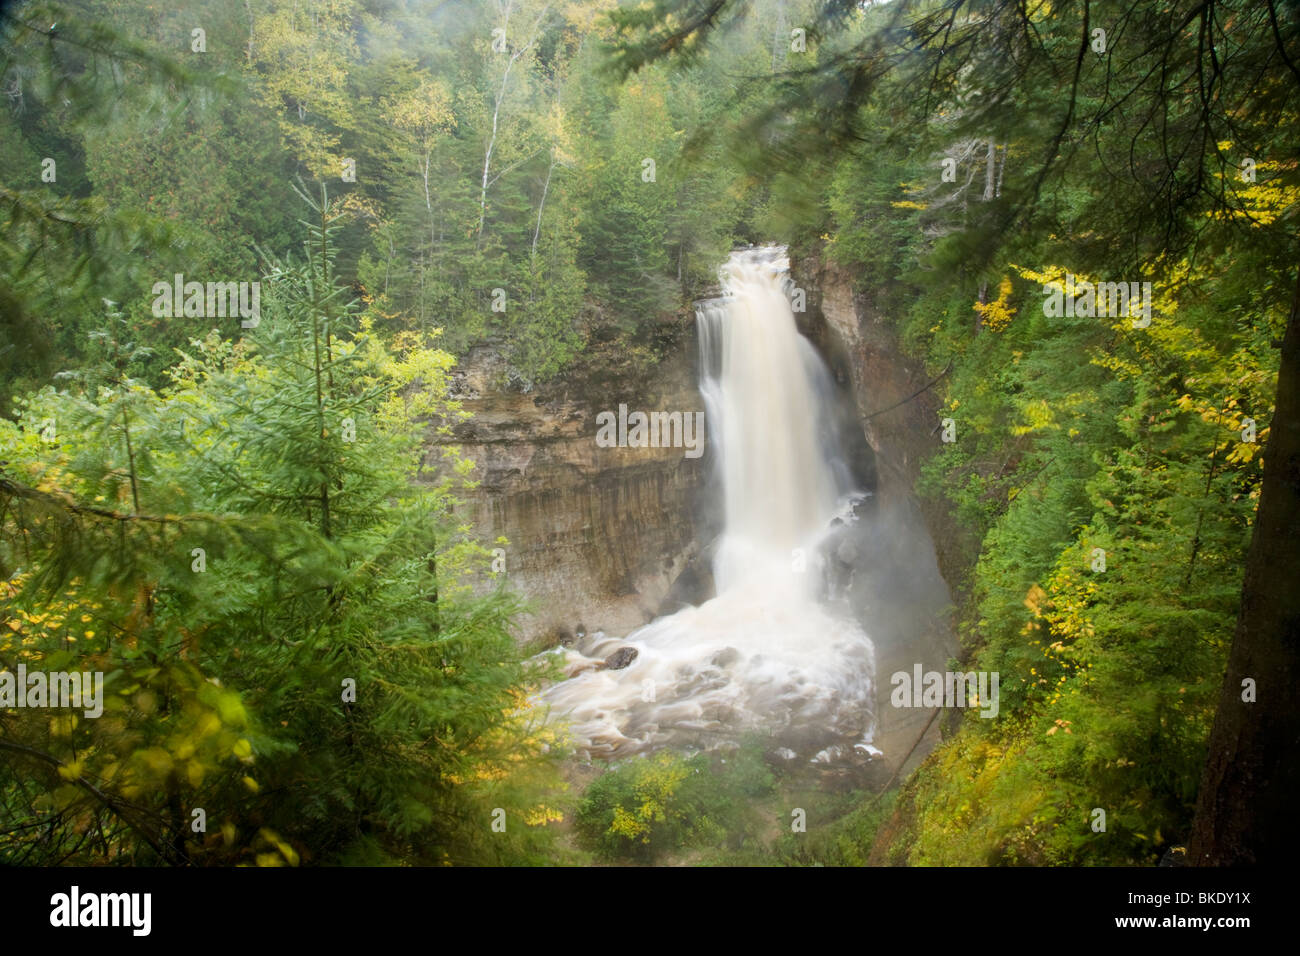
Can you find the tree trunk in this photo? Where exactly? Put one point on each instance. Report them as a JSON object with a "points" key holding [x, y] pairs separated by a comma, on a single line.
{"points": [[780, 37], [1245, 811], [496, 113], [990, 170], [542, 205], [248, 5]]}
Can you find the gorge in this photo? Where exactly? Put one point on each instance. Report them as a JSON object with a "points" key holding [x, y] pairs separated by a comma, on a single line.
{"points": [[646, 442], [763, 585]]}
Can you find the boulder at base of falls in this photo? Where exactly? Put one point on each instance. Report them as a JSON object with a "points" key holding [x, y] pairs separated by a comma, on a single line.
{"points": [[621, 658], [725, 657]]}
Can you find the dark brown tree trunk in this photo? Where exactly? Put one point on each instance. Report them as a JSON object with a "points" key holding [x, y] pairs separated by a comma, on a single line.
{"points": [[1245, 811]]}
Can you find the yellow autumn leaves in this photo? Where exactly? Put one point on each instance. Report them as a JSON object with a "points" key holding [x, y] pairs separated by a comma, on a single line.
{"points": [[996, 315]]}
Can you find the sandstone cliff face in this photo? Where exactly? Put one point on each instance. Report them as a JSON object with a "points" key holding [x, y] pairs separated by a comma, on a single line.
{"points": [[902, 595], [898, 409], [596, 535]]}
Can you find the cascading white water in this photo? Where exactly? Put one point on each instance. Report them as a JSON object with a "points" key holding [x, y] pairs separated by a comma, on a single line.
{"points": [[764, 653], [765, 390]]}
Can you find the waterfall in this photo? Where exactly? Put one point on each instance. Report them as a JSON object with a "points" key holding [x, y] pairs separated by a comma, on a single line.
{"points": [[766, 392], [769, 652]]}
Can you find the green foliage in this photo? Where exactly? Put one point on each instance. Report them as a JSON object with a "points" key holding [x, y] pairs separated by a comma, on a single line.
{"points": [[236, 553], [477, 170], [649, 806], [290, 456], [1077, 435], [841, 834]]}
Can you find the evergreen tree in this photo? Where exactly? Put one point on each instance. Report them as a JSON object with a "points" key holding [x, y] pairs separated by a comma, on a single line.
{"points": [[282, 609]]}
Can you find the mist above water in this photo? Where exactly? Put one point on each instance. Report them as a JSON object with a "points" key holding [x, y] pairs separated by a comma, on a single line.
{"points": [[769, 652]]}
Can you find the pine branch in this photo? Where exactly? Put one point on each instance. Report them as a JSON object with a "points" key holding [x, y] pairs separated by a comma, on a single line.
{"points": [[64, 502], [114, 807]]}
